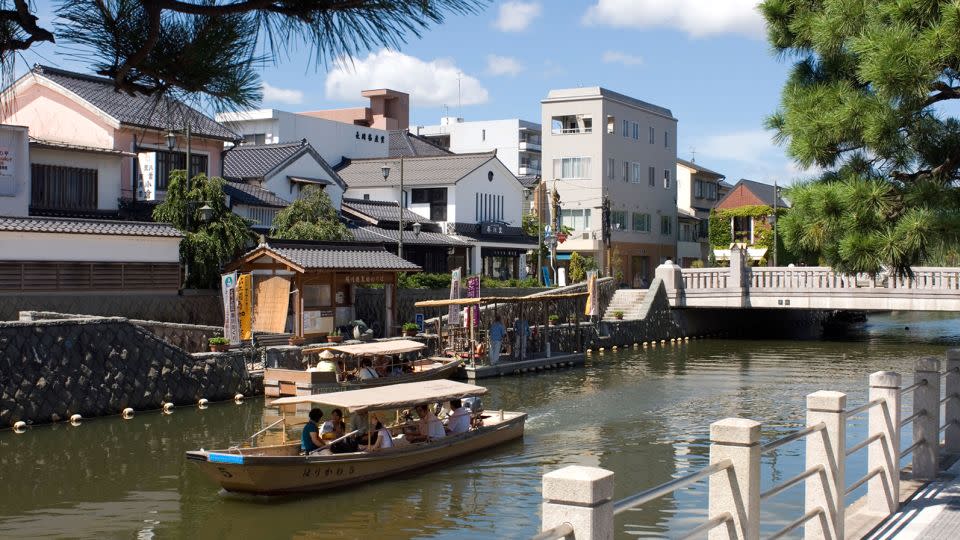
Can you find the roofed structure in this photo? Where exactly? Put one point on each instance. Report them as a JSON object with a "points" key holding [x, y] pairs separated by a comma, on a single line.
{"points": [[252, 195], [378, 211], [87, 226], [749, 193], [406, 144], [432, 170]]}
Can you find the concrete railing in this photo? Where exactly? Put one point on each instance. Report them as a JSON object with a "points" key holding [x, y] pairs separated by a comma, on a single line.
{"points": [[578, 501]]}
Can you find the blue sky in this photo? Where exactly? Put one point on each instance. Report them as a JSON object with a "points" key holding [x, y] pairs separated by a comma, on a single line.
{"points": [[706, 60]]}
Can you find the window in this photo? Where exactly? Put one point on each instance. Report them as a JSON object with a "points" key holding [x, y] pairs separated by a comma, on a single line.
{"points": [[168, 162], [742, 229], [636, 130], [626, 171], [316, 296], [666, 178], [567, 168], [366, 196], [666, 139], [611, 124], [435, 197], [618, 220], [483, 135], [636, 173], [611, 168], [571, 123], [626, 128], [254, 138], [641, 222], [666, 225], [688, 232], [578, 220], [698, 189], [653, 134], [652, 176], [705, 190], [53, 187]]}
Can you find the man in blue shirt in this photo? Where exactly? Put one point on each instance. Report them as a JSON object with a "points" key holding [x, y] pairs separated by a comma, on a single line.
{"points": [[310, 438], [521, 333], [497, 335]]}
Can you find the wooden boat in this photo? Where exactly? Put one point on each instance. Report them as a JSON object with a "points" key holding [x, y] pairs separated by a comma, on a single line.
{"points": [[279, 382], [280, 468]]}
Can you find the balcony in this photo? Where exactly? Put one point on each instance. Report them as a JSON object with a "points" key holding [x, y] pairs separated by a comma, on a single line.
{"points": [[571, 124], [530, 146]]}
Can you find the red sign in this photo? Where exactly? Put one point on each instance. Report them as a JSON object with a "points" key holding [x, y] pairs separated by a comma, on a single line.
{"points": [[561, 237]]}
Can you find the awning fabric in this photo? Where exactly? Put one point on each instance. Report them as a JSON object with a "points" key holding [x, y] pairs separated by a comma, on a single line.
{"points": [[395, 346], [498, 300], [396, 396]]}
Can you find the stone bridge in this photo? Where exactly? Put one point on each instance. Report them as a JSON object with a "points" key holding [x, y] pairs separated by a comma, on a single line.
{"points": [[809, 287]]}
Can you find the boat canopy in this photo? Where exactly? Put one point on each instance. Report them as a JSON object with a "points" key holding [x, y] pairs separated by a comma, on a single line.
{"points": [[396, 396], [498, 300], [395, 346]]}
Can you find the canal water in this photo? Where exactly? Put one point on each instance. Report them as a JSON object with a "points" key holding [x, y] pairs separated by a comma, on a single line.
{"points": [[643, 414]]}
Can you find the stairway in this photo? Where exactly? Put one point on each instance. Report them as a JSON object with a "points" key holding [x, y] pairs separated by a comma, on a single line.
{"points": [[629, 301]]}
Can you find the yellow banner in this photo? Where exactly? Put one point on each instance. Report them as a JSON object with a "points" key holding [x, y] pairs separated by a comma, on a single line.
{"points": [[245, 305]]}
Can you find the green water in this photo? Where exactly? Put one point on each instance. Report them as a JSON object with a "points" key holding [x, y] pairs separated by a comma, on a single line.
{"points": [[643, 414]]}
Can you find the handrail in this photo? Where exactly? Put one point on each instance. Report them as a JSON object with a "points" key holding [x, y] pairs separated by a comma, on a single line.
{"points": [[911, 448], [773, 445], [873, 472], [913, 386], [949, 397], [796, 523], [863, 444], [912, 417], [627, 503], [266, 428], [560, 531], [719, 519], [864, 407], [791, 482], [948, 424]]}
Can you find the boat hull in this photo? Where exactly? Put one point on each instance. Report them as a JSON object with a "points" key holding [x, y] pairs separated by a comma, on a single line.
{"points": [[278, 475], [290, 382]]}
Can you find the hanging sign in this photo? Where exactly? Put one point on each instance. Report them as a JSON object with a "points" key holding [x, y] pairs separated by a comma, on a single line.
{"points": [[453, 313], [147, 179], [473, 291], [245, 306], [231, 322]]}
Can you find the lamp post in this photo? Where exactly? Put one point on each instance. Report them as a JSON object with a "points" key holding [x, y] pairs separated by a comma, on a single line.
{"points": [[172, 143], [385, 170]]}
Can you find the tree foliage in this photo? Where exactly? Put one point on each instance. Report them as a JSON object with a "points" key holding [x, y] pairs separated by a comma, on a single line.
{"points": [[205, 246], [210, 47], [311, 217], [865, 103], [577, 273]]}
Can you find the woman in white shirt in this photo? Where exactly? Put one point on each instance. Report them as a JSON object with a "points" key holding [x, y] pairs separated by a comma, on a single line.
{"points": [[366, 371], [384, 439]]}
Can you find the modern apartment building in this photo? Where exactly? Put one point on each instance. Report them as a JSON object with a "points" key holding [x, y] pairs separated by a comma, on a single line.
{"points": [[698, 190], [517, 142], [598, 143]]}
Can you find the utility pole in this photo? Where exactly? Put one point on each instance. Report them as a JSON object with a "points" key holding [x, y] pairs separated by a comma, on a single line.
{"points": [[605, 230], [556, 230], [538, 193], [400, 232], [776, 203]]}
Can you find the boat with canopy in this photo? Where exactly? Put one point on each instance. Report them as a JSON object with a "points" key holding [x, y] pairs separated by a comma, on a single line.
{"points": [[275, 469], [340, 367]]}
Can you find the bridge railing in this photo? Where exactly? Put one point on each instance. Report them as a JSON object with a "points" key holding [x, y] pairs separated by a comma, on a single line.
{"points": [[578, 501], [706, 278], [925, 277]]}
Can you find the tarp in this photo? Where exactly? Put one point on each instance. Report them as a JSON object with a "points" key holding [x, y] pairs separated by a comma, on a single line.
{"points": [[396, 396], [395, 346], [500, 299]]}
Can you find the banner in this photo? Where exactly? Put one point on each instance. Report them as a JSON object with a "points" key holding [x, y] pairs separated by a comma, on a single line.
{"points": [[593, 300], [231, 323], [453, 313], [147, 179], [473, 291], [245, 305]]}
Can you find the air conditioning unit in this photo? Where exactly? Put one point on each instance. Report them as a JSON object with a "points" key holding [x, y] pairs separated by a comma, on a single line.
{"points": [[585, 236]]}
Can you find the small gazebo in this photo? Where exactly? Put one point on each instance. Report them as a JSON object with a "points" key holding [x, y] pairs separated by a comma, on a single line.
{"points": [[308, 288]]}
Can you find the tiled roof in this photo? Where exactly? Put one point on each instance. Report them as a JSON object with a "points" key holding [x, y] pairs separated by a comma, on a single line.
{"points": [[309, 255], [368, 234], [406, 144], [529, 181], [380, 211], [87, 226], [138, 110], [251, 195], [255, 161], [509, 235], [416, 171], [57, 145], [697, 167], [764, 192]]}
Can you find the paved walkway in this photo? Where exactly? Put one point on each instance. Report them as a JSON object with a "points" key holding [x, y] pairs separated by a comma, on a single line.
{"points": [[932, 514]]}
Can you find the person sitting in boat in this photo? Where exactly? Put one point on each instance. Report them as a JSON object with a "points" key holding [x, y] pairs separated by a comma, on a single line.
{"points": [[366, 371], [458, 421], [343, 374], [384, 439], [431, 428], [310, 437], [335, 427]]}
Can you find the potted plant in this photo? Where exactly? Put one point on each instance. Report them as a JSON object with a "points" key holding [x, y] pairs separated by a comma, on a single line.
{"points": [[618, 314], [410, 329], [553, 319], [219, 344], [335, 336]]}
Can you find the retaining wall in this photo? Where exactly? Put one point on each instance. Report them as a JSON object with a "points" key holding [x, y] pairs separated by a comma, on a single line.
{"points": [[194, 307]]}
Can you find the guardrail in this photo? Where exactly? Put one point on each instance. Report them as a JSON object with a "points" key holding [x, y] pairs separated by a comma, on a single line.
{"points": [[578, 501]]}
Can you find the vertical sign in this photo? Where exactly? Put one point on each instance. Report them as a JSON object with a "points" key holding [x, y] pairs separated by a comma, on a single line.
{"points": [[593, 302], [147, 180], [419, 320], [8, 172], [473, 291], [453, 313], [231, 323], [245, 305]]}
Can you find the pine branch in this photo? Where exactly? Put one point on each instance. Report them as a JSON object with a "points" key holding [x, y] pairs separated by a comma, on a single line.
{"points": [[27, 22]]}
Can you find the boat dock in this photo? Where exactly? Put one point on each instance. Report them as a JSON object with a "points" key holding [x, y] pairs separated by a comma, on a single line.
{"points": [[555, 361]]}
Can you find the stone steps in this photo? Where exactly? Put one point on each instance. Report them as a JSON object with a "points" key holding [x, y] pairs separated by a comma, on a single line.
{"points": [[629, 301]]}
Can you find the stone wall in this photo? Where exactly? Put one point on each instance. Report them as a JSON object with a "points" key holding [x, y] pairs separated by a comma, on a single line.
{"points": [[52, 369], [194, 307]]}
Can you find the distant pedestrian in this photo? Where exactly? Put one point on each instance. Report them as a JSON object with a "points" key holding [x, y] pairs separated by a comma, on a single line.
{"points": [[497, 333], [521, 333]]}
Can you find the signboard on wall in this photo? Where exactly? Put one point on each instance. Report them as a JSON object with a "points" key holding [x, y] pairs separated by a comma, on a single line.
{"points": [[147, 179], [317, 322], [8, 172], [231, 321]]}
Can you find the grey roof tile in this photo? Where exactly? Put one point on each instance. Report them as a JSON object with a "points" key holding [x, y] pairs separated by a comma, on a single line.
{"points": [[406, 144], [378, 235], [138, 110], [765, 192], [87, 226], [696, 166], [416, 171], [251, 195], [380, 211], [529, 181], [507, 234], [255, 161], [322, 256]]}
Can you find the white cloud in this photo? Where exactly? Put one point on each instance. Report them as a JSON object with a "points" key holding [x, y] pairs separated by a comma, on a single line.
{"points": [[749, 146], [503, 65], [281, 95], [698, 18], [747, 154], [516, 16], [620, 57], [428, 83]]}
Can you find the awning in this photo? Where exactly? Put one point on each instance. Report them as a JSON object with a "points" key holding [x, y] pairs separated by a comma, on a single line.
{"points": [[396, 396], [396, 346], [563, 256], [498, 300], [305, 180]]}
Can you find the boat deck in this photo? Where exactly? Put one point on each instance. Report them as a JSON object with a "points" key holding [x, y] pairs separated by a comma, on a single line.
{"points": [[507, 367]]}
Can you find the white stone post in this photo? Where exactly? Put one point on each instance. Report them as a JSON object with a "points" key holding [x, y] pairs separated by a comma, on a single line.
{"points": [[737, 489], [672, 276], [739, 274], [883, 490], [926, 458], [582, 497], [951, 412], [826, 448]]}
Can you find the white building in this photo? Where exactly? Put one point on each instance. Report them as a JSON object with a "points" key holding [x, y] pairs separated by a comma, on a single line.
{"points": [[599, 143], [517, 142], [698, 190]]}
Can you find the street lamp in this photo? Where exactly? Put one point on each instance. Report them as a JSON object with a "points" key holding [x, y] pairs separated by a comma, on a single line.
{"points": [[206, 216], [206, 213], [385, 171]]}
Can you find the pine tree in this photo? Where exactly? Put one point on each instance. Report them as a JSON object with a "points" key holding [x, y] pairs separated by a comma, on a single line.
{"points": [[311, 217]]}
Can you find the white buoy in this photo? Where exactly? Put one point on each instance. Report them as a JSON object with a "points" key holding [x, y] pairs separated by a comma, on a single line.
{"points": [[589, 351], [238, 398], [127, 413], [168, 408], [19, 426], [75, 419], [613, 348], [203, 403]]}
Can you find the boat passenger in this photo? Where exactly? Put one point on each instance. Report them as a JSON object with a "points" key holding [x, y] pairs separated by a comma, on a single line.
{"points": [[430, 426], [310, 437], [497, 334], [366, 371], [384, 439], [358, 423], [459, 419], [335, 427]]}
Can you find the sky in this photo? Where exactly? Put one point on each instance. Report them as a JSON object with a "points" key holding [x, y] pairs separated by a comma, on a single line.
{"points": [[705, 60]]}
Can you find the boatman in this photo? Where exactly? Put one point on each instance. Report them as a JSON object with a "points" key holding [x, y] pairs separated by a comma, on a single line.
{"points": [[310, 438], [497, 334]]}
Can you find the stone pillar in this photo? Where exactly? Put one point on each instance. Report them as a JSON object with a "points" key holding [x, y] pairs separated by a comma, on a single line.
{"points": [[582, 497], [739, 271], [951, 413], [672, 277], [883, 490], [826, 448], [737, 489], [926, 458]]}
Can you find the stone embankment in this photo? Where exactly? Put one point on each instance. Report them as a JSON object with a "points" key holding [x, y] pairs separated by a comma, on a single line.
{"points": [[55, 367]]}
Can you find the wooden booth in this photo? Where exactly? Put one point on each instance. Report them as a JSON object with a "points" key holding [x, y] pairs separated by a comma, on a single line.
{"points": [[308, 288]]}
